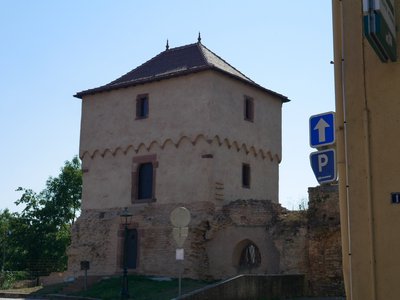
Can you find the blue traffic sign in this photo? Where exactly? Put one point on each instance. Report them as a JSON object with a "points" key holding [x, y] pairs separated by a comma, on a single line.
{"points": [[322, 129], [323, 164]]}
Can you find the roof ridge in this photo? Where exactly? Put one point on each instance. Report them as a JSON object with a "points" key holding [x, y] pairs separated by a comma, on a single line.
{"points": [[199, 45], [211, 64], [154, 58], [180, 47]]}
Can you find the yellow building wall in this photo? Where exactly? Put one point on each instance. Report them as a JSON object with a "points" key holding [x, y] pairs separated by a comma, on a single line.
{"points": [[368, 149]]}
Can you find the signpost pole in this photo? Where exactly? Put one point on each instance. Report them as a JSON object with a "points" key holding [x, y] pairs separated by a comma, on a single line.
{"points": [[180, 280], [85, 279], [180, 218], [85, 265]]}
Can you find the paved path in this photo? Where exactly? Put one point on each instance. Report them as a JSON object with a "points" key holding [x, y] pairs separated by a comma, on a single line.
{"points": [[319, 298]]}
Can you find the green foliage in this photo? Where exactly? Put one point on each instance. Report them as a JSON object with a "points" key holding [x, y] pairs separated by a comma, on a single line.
{"points": [[38, 236], [59, 202], [5, 229], [7, 279], [303, 205]]}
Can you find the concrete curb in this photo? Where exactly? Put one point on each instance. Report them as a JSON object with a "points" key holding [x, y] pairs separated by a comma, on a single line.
{"points": [[14, 295], [49, 296], [65, 297]]}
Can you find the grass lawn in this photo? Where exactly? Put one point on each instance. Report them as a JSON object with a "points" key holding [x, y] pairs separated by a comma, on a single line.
{"points": [[140, 288]]}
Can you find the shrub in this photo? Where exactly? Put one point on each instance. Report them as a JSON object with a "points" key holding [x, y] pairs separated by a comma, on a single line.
{"points": [[8, 278]]}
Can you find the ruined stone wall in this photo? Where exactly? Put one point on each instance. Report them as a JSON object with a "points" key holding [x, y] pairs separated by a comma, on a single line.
{"points": [[98, 237], [232, 228], [324, 242], [290, 242], [212, 249], [309, 242], [290, 237]]}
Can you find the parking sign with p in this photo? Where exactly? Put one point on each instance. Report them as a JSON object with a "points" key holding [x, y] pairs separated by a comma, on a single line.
{"points": [[323, 164]]}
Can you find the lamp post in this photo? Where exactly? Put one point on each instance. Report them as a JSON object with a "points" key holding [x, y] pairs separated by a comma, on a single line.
{"points": [[125, 216]]}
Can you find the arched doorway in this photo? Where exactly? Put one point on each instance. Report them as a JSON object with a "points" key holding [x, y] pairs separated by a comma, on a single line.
{"points": [[131, 248]]}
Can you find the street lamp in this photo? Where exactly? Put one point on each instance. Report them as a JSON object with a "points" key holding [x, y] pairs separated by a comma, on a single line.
{"points": [[125, 218]]}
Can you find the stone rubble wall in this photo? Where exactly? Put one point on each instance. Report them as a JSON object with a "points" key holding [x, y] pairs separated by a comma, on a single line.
{"points": [[290, 242], [324, 242], [309, 242]]}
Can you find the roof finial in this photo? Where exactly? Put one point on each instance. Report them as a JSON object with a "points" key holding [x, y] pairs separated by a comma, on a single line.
{"points": [[199, 38], [167, 46]]}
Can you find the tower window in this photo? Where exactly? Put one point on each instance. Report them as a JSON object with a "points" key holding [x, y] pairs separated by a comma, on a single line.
{"points": [[142, 106], [145, 181], [144, 178], [246, 176], [248, 109]]}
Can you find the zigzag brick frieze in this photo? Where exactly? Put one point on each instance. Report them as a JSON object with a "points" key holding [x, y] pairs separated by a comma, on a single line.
{"points": [[235, 145]]}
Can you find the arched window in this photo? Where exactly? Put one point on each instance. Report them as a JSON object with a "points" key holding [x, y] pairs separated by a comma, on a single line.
{"points": [[250, 256], [145, 181]]}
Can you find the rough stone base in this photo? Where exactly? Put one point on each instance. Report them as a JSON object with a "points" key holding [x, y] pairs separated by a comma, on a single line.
{"points": [[289, 242]]}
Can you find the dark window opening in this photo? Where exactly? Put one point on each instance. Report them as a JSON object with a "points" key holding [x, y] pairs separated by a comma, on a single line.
{"points": [[246, 176], [250, 256], [144, 178], [142, 106], [145, 181], [248, 109]]}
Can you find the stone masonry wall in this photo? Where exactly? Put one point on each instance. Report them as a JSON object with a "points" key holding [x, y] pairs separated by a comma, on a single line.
{"points": [[232, 228], [290, 242], [97, 237], [309, 242], [290, 237], [324, 242]]}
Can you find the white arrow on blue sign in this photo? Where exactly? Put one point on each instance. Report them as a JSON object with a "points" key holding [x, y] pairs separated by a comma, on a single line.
{"points": [[323, 163], [322, 129]]}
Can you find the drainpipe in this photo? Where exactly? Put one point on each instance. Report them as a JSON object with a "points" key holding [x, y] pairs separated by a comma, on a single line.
{"points": [[367, 144], [341, 145], [345, 203]]}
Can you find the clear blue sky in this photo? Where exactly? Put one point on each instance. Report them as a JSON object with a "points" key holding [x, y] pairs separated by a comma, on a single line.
{"points": [[52, 49]]}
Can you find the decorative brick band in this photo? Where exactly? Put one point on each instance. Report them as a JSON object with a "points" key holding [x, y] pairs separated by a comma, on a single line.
{"points": [[238, 146]]}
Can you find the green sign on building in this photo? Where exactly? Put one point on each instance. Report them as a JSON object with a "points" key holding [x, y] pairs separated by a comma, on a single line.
{"points": [[380, 28]]}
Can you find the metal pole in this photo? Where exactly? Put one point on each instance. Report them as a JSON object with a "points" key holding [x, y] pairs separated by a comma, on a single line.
{"points": [[125, 291], [180, 280], [85, 279]]}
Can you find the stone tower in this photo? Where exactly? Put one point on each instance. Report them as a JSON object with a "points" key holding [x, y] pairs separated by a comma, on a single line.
{"points": [[183, 129]]}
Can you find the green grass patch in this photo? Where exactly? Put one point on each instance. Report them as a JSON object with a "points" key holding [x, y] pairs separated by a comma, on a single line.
{"points": [[141, 288]]}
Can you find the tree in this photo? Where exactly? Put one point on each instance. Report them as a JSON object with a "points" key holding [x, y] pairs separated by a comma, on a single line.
{"points": [[60, 201], [41, 232], [5, 220]]}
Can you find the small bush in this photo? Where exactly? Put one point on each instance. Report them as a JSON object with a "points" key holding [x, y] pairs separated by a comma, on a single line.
{"points": [[8, 278]]}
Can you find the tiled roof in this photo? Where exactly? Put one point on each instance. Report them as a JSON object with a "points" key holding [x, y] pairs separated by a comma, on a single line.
{"points": [[177, 62]]}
